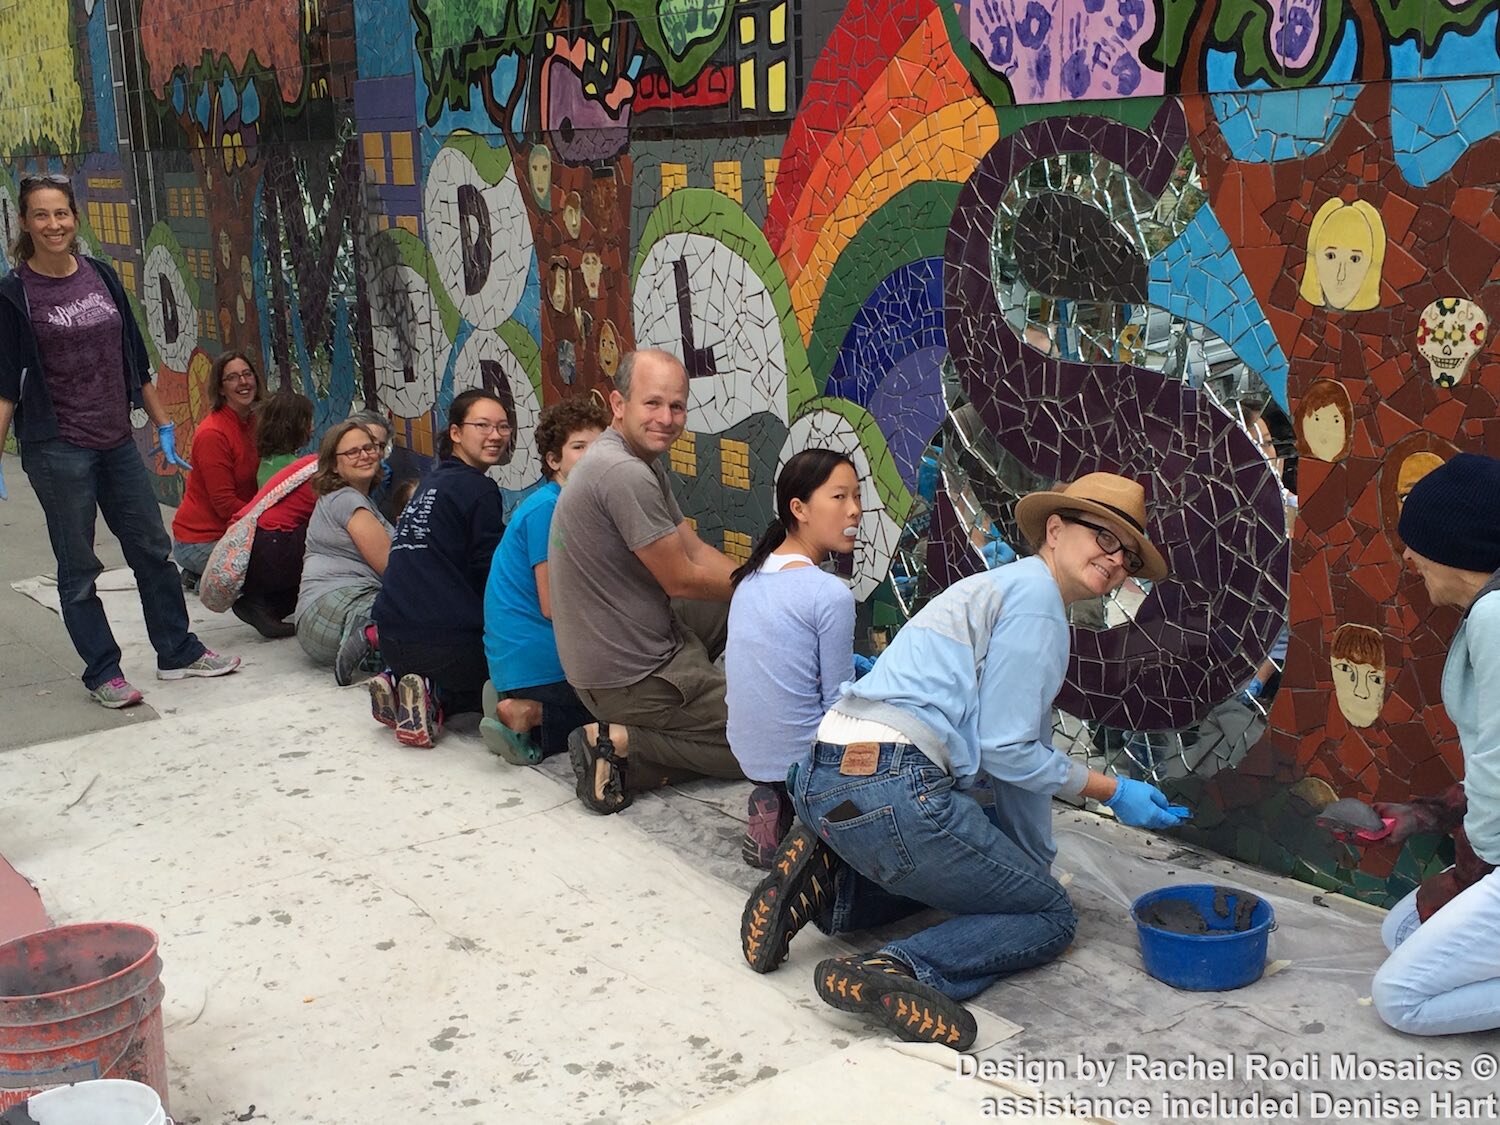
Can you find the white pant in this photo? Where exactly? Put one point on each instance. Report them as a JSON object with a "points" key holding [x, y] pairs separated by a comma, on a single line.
{"points": [[1443, 975]]}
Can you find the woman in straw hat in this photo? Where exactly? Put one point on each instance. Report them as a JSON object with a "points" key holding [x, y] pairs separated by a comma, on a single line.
{"points": [[965, 689]]}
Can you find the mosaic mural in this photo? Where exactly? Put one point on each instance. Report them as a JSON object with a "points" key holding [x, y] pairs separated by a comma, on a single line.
{"points": [[1247, 250]]}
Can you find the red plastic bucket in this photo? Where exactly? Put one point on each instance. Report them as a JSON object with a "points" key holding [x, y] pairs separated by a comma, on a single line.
{"points": [[79, 1003]]}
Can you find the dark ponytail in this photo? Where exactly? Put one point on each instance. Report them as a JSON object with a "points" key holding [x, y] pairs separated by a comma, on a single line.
{"points": [[800, 477], [775, 536]]}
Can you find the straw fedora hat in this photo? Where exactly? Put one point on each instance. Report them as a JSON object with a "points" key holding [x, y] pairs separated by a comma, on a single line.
{"points": [[1104, 494]]}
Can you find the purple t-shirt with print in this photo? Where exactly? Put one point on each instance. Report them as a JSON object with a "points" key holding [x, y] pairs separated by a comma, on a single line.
{"points": [[78, 334]]}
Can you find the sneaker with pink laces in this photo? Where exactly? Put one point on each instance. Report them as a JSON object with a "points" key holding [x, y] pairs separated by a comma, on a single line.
{"points": [[209, 664], [116, 693]]}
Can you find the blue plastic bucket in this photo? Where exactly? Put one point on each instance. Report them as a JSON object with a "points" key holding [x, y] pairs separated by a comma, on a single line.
{"points": [[1216, 961]]}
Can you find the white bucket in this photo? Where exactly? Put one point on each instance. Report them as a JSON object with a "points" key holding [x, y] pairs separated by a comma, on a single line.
{"points": [[105, 1101]]}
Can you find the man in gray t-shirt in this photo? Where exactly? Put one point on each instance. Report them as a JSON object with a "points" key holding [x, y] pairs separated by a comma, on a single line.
{"points": [[639, 602]]}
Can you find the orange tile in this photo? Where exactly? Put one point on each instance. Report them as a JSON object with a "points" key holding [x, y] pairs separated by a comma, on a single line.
{"points": [[1387, 377], [1286, 325], [1366, 509], [1393, 425], [1469, 204], [1396, 710], [1377, 581], [1376, 553], [1400, 269], [1353, 754], [1444, 419], [1341, 533], [1260, 186], [1397, 213]]}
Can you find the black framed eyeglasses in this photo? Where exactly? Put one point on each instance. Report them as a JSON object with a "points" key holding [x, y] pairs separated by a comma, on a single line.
{"points": [[369, 449], [1110, 544]]}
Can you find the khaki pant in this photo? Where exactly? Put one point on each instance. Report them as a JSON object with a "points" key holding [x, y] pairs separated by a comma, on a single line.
{"points": [[676, 715]]}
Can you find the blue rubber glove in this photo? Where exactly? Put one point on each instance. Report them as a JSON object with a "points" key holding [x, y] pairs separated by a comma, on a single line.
{"points": [[3, 494], [167, 435], [1145, 806], [862, 664]]}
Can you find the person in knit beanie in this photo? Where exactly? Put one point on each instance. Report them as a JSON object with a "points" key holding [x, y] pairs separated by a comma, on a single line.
{"points": [[1451, 518], [1443, 975]]}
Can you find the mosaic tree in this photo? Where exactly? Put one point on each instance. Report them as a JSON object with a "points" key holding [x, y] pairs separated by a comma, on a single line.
{"points": [[555, 80], [1291, 43]]}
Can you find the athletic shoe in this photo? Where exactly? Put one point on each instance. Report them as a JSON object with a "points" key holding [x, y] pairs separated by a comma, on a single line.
{"points": [[886, 989], [419, 719], [116, 693], [383, 699], [770, 821], [355, 652], [799, 889], [208, 665]]}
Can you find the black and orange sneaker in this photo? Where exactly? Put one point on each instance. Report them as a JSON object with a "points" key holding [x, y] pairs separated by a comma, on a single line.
{"points": [[799, 889], [886, 988]]}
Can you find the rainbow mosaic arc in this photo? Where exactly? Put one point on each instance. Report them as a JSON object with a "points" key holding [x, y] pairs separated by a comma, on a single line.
{"points": [[1248, 252]]}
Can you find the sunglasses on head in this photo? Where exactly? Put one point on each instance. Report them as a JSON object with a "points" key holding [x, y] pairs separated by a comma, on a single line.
{"points": [[47, 179]]}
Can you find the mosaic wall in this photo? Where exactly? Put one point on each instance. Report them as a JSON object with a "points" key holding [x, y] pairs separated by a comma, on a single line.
{"points": [[1247, 250]]}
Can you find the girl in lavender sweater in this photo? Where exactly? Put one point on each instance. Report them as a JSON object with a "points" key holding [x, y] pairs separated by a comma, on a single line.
{"points": [[791, 636]]}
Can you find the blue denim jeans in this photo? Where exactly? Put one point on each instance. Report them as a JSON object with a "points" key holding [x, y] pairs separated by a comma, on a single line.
{"points": [[74, 485], [193, 557], [915, 843], [1443, 975]]}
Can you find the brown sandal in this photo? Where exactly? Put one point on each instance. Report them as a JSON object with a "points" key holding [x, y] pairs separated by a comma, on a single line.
{"points": [[585, 759]]}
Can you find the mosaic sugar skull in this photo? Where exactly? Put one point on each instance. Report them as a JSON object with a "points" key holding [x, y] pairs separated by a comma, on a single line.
{"points": [[1449, 336]]}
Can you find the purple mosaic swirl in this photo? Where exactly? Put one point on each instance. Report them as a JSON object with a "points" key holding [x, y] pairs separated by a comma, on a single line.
{"points": [[1214, 504]]}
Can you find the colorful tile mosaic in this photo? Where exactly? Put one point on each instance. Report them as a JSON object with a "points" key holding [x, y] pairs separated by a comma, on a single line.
{"points": [[1248, 251]]}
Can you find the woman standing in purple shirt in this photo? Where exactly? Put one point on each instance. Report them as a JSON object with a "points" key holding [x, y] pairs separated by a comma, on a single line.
{"points": [[72, 364]]}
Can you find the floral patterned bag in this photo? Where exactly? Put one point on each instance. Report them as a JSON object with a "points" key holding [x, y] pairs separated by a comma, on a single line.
{"points": [[224, 576]]}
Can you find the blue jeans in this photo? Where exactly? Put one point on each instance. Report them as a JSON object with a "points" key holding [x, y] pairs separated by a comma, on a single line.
{"points": [[74, 485], [916, 843], [193, 557], [1443, 975]]}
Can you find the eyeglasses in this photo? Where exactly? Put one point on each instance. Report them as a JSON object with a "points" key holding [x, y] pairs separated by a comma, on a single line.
{"points": [[56, 179], [237, 377], [369, 449], [487, 428], [1110, 544]]}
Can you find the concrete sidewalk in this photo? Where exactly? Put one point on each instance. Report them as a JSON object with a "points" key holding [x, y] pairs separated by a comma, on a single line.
{"points": [[355, 932], [40, 695]]}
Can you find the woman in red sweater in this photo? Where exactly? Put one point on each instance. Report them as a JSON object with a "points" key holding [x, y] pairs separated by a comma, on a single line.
{"points": [[225, 463]]}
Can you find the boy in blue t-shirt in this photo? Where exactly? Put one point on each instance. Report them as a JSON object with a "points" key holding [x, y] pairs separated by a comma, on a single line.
{"points": [[529, 707]]}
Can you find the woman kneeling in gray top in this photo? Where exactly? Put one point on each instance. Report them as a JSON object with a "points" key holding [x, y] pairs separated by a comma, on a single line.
{"points": [[348, 542]]}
